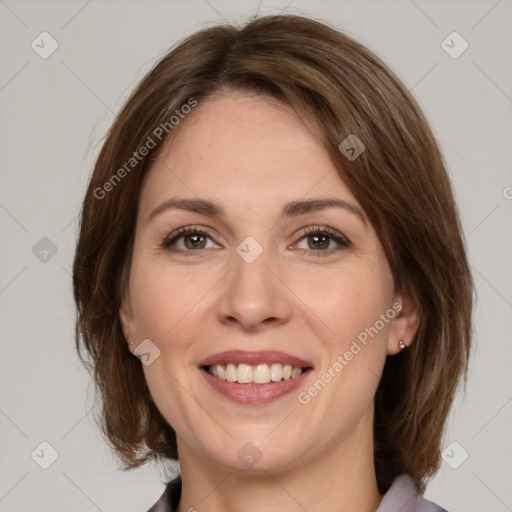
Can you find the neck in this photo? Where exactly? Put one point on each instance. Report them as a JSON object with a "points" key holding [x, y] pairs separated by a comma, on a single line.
{"points": [[341, 477]]}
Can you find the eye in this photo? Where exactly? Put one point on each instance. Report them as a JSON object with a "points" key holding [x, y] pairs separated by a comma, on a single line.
{"points": [[314, 240], [322, 241], [187, 239]]}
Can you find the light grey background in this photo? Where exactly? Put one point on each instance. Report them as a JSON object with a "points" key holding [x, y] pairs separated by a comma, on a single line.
{"points": [[54, 114]]}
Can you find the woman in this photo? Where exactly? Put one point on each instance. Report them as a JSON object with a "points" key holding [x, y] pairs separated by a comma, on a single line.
{"points": [[271, 279]]}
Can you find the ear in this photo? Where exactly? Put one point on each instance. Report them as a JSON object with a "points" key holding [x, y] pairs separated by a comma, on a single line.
{"points": [[127, 322], [405, 323]]}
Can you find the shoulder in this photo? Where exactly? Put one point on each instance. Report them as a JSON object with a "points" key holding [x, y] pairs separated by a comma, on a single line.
{"points": [[402, 496], [170, 499]]}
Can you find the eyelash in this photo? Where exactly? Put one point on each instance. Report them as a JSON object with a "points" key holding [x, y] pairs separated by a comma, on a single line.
{"points": [[341, 240]]}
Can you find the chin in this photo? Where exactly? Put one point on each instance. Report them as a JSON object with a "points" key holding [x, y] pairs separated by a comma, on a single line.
{"points": [[257, 453]]}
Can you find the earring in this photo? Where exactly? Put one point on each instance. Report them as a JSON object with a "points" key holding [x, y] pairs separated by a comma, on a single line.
{"points": [[402, 345]]}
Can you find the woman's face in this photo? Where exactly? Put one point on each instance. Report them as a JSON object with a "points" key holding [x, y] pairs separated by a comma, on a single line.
{"points": [[278, 272]]}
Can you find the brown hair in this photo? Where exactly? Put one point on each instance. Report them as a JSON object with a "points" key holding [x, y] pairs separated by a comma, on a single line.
{"points": [[340, 88]]}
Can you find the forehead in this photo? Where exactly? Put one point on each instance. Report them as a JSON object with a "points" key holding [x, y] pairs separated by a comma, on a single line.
{"points": [[244, 147]]}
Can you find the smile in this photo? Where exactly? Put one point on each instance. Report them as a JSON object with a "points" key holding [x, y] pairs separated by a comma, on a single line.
{"points": [[254, 378], [259, 374]]}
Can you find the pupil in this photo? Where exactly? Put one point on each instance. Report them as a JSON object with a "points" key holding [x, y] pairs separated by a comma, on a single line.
{"points": [[322, 239], [193, 241]]}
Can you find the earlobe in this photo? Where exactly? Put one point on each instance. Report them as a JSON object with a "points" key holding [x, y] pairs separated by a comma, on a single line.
{"points": [[126, 319], [405, 324]]}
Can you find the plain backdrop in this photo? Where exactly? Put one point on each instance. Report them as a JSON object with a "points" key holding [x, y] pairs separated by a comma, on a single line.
{"points": [[55, 112]]}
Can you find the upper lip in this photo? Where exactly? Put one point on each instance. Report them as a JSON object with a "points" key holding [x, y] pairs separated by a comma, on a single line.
{"points": [[255, 358]]}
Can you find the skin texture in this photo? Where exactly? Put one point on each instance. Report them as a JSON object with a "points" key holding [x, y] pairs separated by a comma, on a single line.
{"points": [[252, 155]]}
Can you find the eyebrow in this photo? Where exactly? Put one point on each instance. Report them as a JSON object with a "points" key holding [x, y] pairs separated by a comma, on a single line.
{"points": [[291, 209]]}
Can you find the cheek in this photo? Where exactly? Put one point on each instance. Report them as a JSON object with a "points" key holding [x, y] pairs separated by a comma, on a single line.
{"points": [[167, 304], [354, 349], [165, 299], [349, 302]]}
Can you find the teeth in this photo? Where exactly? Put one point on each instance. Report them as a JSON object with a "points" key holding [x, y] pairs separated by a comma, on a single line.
{"points": [[260, 374], [231, 372], [296, 372], [276, 372], [244, 374]]}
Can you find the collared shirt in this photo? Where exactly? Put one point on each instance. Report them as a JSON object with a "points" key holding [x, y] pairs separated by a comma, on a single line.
{"points": [[401, 497]]}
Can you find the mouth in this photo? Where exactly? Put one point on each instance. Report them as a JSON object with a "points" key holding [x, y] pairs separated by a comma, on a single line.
{"points": [[259, 374], [254, 377]]}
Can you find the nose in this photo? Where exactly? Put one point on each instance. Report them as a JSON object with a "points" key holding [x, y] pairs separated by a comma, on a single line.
{"points": [[253, 297]]}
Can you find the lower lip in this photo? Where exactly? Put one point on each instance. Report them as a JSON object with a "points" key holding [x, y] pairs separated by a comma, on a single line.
{"points": [[254, 394]]}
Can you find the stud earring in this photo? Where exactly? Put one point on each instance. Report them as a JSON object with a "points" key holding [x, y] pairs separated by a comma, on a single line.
{"points": [[402, 345]]}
